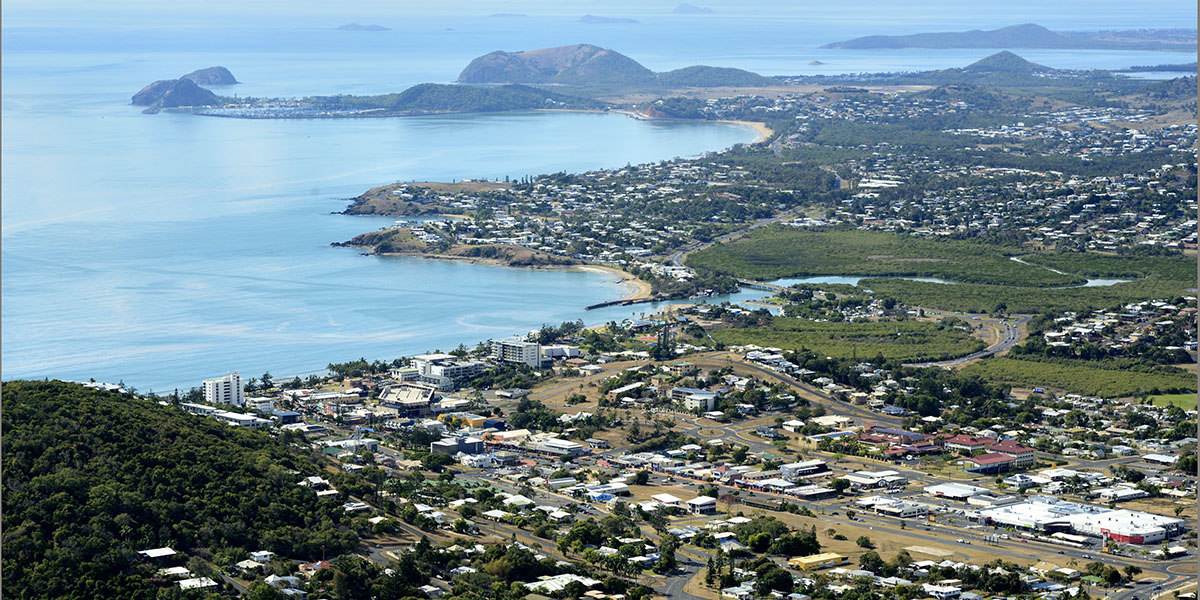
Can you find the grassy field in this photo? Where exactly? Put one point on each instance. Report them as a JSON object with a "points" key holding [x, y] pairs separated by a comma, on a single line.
{"points": [[987, 278], [1091, 264], [1080, 377], [986, 298], [1184, 401], [779, 252], [903, 340]]}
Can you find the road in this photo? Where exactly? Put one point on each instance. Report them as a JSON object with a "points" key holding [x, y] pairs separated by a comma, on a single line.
{"points": [[1010, 334], [803, 390], [680, 255]]}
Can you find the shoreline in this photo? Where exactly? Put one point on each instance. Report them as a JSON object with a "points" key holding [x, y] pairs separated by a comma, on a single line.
{"points": [[641, 290], [764, 132]]}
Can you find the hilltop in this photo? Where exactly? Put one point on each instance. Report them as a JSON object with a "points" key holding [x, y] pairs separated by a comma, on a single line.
{"points": [[211, 76], [1028, 35], [172, 93], [572, 65], [1006, 62], [588, 65]]}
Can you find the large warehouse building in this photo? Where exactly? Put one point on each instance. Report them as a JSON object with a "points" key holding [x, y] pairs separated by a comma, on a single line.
{"points": [[1051, 515]]}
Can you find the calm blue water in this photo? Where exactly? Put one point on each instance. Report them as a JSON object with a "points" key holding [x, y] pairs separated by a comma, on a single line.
{"points": [[165, 249]]}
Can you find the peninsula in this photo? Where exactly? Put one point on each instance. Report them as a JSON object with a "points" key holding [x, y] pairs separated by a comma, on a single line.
{"points": [[406, 241], [576, 77]]}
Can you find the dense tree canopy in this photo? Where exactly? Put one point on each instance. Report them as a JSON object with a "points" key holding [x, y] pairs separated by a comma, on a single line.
{"points": [[91, 477]]}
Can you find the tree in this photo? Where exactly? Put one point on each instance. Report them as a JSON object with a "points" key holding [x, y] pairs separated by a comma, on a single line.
{"points": [[641, 478], [1112, 576], [436, 462], [267, 383], [775, 580], [870, 561], [739, 454], [840, 484], [759, 542], [1132, 571], [864, 542], [263, 591]]}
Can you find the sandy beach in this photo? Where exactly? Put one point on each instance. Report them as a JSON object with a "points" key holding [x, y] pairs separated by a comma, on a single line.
{"points": [[641, 289], [764, 132]]}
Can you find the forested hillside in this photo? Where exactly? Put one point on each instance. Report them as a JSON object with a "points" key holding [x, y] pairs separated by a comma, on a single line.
{"points": [[91, 477]]}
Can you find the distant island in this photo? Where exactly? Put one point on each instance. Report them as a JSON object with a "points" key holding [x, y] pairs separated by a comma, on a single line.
{"points": [[588, 65], [357, 27], [595, 20], [185, 91], [691, 9], [1028, 35]]}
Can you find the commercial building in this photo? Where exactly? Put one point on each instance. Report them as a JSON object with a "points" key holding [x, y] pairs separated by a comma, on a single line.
{"points": [[451, 446], [442, 371], [561, 351], [874, 434], [239, 419], [797, 470], [1023, 456], [875, 479], [992, 462], [967, 443], [517, 351], [618, 393], [695, 399], [1044, 514], [817, 561], [1128, 526], [901, 509], [954, 491], [225, 390], [559, 447]]}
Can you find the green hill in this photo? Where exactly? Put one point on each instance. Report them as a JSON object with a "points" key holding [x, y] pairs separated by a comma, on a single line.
{"points": [[1005, 62], [702, 76], [434, 97], [575, 65], [584, 65], [170, 93], [92, 477]]}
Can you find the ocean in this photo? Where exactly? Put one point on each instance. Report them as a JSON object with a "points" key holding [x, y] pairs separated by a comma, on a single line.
{"points": [[163, 249]]}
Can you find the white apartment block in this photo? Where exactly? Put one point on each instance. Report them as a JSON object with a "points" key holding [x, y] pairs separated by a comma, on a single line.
{"points": [[517, 351], [225, 390]]}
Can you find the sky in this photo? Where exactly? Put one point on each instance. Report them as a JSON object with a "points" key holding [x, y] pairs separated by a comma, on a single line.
{"points": [[1056, 14]]}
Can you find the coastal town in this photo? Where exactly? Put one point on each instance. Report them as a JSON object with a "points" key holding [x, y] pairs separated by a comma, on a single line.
{"points": [[732, 473], [931, 336]]}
